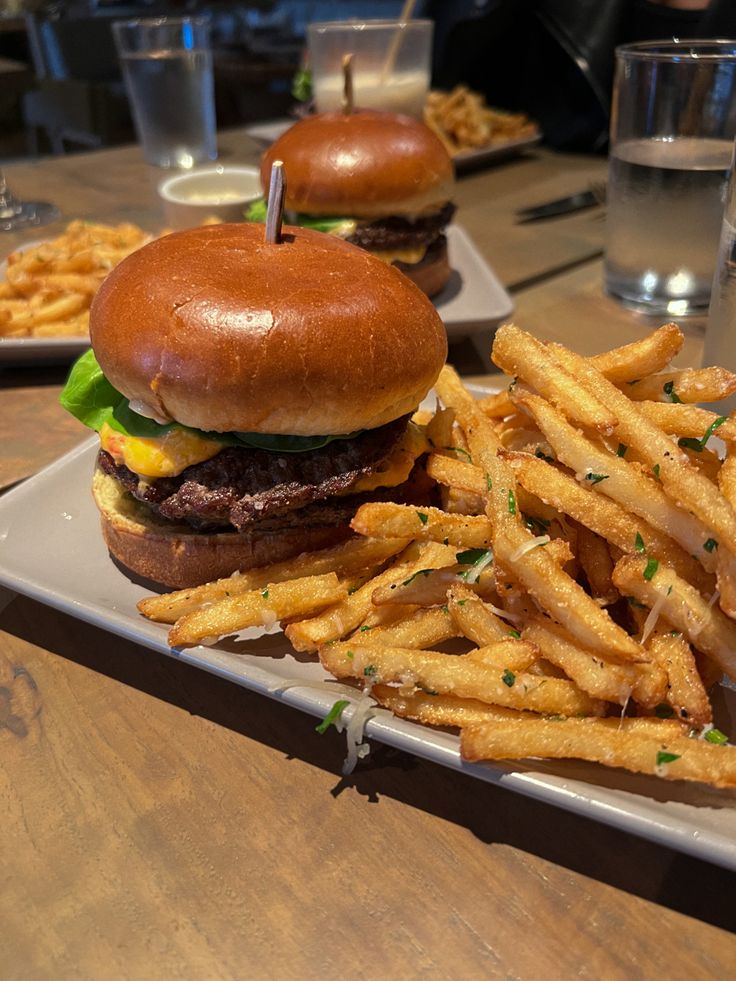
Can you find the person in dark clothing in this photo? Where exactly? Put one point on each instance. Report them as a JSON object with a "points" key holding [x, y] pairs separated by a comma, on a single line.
{"points": [[554, 59]]}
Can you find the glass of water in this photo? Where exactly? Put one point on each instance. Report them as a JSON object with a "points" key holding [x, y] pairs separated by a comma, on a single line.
{"points": [[167, 66], [672, 129], [720, 334]]}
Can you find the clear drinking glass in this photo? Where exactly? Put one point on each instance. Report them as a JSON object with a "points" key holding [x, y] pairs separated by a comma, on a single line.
{"points": [[672, 128], [391, 63], [16, 214], [720, 334], [167, 66]]}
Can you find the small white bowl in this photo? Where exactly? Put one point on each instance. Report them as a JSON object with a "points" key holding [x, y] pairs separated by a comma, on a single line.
{"points": [[220, 191]]}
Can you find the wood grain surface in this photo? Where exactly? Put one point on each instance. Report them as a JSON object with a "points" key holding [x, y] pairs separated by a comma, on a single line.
{"points": [[159, 822]]}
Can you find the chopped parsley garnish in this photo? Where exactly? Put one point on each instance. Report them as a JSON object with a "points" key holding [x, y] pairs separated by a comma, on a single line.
{"points": [[424, 518], [536, 525], [489, 482], [459, 449], [515, 634], [349, 654], [508, 678], [655, 471], [596, 478], [664, 711], [669, 390], [639, 543], [690, 443], [512, 503], [471, 556], [370, 671], [650, 568], [710, 545], [663, 757], [332, 717], [716, 736], [264, 593], [622, 448], [363, 629], [674, 633]]}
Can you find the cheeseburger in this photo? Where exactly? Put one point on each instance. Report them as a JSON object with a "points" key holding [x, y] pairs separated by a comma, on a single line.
{"points": [[250, 396], [376, 179]]}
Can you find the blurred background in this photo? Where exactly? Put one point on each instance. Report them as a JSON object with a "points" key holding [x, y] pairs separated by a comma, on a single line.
{"points": [[61, 89]]}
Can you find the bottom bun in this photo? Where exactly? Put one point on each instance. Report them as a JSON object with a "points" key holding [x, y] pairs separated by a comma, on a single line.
{"points": [[431, 275], [177, 556]]}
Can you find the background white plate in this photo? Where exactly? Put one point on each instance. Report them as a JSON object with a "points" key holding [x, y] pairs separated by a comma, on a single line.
{"points": [[51, 549]]}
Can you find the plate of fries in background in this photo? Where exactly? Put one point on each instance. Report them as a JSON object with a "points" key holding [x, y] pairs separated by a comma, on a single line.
{"points": [[560, 623], [474, 133], [46, 289]]}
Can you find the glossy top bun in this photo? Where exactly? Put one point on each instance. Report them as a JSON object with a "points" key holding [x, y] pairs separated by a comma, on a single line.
{"points": [[364, 164], [219, 330]]}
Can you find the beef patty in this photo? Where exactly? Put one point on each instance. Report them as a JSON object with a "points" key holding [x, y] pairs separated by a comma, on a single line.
{"points": [[386, 234], [241, 487]]}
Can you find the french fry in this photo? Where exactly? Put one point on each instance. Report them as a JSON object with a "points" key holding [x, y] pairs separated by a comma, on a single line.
{"points": [[624, 483], [604, 515], [643, 357], [351, 612], [685, 690], [686, 385], [474, 618], [690, 421], [456, 674], [596, 562], [259, 607], [351, 557], [439, 710], [422, 524], [704, 625], [425, 628], [520, 354], [659, 748]]}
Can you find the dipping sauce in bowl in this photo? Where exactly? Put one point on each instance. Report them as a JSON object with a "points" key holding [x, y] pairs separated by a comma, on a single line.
{"points": [[221, 192]]}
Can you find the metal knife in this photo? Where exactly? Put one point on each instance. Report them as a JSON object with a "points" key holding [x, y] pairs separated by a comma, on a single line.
{"points": [[562, 206]]}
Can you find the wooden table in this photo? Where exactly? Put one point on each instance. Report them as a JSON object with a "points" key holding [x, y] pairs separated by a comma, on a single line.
{"points": [[161, 822]]}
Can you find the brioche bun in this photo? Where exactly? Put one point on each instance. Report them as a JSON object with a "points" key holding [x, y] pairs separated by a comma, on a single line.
{"points": [[176, 556], [365, 164], [221, 331]]}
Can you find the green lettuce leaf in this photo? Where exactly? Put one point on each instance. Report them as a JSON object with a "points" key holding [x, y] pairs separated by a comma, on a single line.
{"points": [[256, 212], [90, 397]]}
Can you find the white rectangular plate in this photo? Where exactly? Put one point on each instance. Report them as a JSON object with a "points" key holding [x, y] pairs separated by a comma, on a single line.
{"points": [[473, 299], [51, 549]]}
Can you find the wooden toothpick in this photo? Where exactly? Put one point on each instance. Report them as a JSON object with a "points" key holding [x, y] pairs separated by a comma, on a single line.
{"points": [[347, 84], [275, 207]]}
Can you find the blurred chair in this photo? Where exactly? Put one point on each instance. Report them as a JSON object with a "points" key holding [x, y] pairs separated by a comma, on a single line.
{"points": [[80, 99]]}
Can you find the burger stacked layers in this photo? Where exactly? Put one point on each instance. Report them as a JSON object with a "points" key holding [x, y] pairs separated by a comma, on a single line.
{"points": [[379, 180], [249, 396]]}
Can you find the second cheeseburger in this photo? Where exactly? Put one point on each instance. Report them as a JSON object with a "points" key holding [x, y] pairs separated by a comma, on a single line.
{"points": [[249, 396], [380, 180]]}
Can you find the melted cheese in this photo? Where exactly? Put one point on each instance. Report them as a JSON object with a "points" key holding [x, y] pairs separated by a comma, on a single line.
{"points": [[164, 456], [401, 255], [395, 468], [168, 455]]}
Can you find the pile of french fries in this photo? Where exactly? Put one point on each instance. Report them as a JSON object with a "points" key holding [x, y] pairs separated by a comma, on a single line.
{"points": [[575, 594], [48, 289], [463, 121]]}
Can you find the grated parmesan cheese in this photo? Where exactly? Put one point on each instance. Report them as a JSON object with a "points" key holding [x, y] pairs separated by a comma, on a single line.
{"points": [[528, 547]]}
